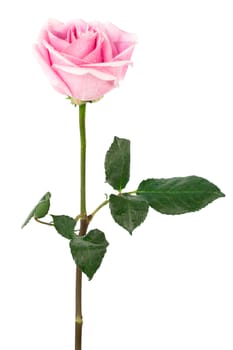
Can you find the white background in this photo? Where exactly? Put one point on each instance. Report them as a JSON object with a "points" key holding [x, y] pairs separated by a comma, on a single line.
{"points": [[169, 286]]}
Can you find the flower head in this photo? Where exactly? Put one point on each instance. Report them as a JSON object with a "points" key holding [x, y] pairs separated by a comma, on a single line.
{"points": [[84, 60]]}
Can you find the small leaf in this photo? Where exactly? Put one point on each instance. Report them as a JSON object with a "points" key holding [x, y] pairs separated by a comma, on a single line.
{"points": [[88, 251], [117, 163], [40, 210], [178, 195], [64, 225], [128, 211]]}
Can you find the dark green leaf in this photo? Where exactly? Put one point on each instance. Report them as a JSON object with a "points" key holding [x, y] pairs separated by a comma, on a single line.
{"points": [[88, 251], [117, 163], [64, 225], [128, 211], [40, 210], [178, 195]]}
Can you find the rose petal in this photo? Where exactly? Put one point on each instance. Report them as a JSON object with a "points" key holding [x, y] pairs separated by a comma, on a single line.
{"points": [[57, 43], [56, 57], [83, 46], [78, 25], [125, 55], [87, 87], [58, 28], [48, 27], [120, 39], [107, 51], [95, 55], [82, 71], [56, 81], [107, 64], [115, 68], [118, 35], [75, 60]]}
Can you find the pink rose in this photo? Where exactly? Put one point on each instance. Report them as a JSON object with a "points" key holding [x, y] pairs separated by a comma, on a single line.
{"points": [[84, 60]]}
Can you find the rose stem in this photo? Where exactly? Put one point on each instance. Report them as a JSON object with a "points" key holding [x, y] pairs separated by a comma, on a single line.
{"points": [[83, 226]]}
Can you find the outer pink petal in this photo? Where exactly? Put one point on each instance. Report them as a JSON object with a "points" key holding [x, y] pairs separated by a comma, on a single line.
{"points": [[124, 55], [117, 34], [86, 84], [75, 60], [120, 39], [55, 56], [56, 81], [48, 27], [58, 28], [78, 71], [116, 69], [113, 63]]}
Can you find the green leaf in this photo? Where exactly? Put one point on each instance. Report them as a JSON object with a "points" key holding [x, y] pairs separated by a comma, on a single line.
{"points": [[128, 211], [117, 163], [40, 210], [64, 225], [88, 251], [178, 195]]}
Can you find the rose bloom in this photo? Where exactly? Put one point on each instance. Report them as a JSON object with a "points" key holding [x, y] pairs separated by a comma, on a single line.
{"points": [[84, 60]]}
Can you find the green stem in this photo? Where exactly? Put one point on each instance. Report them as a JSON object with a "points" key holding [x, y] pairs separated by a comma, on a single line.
{"points": [[83, 226], [82, 129]]}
